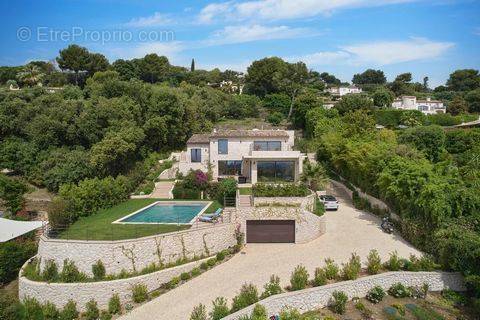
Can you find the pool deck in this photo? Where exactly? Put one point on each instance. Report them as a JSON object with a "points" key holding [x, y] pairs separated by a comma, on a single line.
{"points": [[191, 222]]}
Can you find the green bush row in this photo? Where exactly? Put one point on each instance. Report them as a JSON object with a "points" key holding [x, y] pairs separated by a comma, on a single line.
{"points": [[280, 190]]}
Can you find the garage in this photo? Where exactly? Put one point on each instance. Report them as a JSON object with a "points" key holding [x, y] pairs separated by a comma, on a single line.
{"points": [[270, 231]]}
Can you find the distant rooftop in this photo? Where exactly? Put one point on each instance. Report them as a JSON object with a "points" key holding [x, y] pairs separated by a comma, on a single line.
{"points": [[255, 133]]}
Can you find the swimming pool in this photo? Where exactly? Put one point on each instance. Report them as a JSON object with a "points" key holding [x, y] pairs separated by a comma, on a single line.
{"points": [[167, 212]]}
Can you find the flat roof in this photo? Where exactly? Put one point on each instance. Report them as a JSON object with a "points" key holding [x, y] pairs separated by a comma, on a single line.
{"points": [[249, 133], [11, 229]]}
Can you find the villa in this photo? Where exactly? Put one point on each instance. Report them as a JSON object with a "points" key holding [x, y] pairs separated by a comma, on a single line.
{"points": [[248, 155], [343, 90], [427, 106]]}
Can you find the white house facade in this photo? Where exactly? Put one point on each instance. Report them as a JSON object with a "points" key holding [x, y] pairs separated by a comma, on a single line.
{"points": [[427, 106], [249, 155], [341, 91]]}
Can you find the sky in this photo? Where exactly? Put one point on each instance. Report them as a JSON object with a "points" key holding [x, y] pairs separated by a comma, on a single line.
{"points": [[343, 37]]}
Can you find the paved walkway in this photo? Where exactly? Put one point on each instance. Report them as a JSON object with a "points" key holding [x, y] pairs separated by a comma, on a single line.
{"points": [[348, 230], [162, 190]]}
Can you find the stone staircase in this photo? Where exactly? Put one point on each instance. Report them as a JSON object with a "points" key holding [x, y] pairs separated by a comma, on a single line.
{"points": [[162, 190], [244, 201]]}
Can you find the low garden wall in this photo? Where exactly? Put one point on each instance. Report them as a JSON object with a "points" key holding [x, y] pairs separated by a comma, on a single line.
{"points": [[136, 254], [102, 291], [319, 297], [258, 201]]}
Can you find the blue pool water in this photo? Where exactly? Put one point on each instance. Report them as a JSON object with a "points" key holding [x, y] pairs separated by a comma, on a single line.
{"points": [[166, 213]]}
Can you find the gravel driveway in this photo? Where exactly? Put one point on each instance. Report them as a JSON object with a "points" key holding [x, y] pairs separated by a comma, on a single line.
{"points": [[348, 230]]}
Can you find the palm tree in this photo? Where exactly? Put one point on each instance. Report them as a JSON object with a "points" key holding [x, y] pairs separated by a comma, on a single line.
{"points": [[314, 175], [30, 74]]}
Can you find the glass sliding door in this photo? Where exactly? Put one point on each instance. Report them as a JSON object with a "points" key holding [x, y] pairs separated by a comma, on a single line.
{"points": [[276, 171]]}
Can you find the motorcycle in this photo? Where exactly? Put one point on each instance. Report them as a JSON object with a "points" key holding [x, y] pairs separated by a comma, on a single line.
{"points": [[387, 225]]}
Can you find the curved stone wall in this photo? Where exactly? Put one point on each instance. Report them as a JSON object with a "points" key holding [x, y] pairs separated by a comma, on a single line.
{"points": [[138, 253], [102, 291], [319, 297]]}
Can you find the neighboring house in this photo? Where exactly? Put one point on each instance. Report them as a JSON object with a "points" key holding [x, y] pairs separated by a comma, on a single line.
{"points": [[251, 155], [428, 106], [343, 90]]}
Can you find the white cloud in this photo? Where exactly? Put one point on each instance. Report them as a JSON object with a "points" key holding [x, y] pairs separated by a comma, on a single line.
{"points": [[322, 58], [378, 53], [390, 52], [139, 50], [240, 34], [282, 9], [157, 19]]}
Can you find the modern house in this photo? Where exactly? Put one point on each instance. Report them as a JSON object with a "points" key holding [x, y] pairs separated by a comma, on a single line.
{"points": [[249, 155], [343, 90], [427, 106]]}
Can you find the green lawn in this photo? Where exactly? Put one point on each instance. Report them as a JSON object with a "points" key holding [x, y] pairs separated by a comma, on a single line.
{"points": [[245, 191], [99, 226]]}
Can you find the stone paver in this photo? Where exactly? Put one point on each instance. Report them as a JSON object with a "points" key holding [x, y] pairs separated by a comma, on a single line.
{"points": [[348, 230], [162, 190]]}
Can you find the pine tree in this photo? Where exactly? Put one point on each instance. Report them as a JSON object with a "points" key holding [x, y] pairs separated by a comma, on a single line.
{"points": [[192, 66]]}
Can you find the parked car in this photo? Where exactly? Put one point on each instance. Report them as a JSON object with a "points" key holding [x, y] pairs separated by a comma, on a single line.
{"points": [[330, 202]]}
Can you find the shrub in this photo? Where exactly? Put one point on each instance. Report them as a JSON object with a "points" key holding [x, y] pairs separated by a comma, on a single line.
{"points": [[280, 190], [375, 295], [339, 302], [275, 118], [352, 268], [13, 255], [211, 262], [104, 315], [91, 310], [398, 290], [424, 263], [400, 308], [199, 313], [181, 192], [220, 309], [50, 311], [331, 269], [69, 311], [366, 313], [290, 314], [98, 270], [32, 309], [185, 276], [173, 282], [472, 283], [204, 266], [139, 293], [419, 292], [10, 307], [114, 305], [195, 272], [272, 287], [299, 278], [394, 263], [220, 256], [70, 272], [259, 313], [374, 263], [50, 271], [248, 295], [320, 278]]}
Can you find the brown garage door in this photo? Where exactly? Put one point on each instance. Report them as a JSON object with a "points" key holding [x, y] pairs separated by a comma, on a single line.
{"points": [[268, 231]]}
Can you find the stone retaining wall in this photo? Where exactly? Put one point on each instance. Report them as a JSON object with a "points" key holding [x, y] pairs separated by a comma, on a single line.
{"points": [[319, 297], [308, 226], [102, 291], [138, 253]]}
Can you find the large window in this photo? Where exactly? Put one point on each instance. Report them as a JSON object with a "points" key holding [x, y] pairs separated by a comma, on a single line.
{"points": [[267, 146], [273, 171], [222, 146], [230, 168], [196, 155]]}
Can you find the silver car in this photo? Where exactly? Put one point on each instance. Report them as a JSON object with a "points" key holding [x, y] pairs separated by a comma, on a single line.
{"points": [[330, 202]]}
